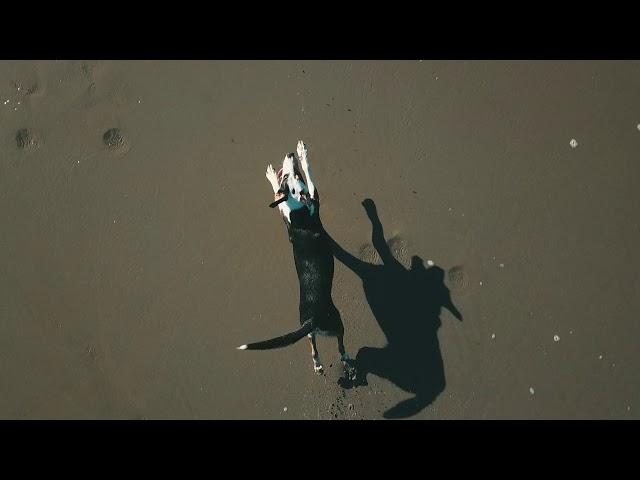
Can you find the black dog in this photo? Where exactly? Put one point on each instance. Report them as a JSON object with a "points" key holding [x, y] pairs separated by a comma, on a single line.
{"points": [[299, 204]]}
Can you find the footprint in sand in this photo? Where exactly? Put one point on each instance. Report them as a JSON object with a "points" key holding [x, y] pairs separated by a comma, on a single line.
{"points": [[27, 140], [399, 250], [368, 254], [115, 141], [458, 278], [397, 245], [28, 88]]}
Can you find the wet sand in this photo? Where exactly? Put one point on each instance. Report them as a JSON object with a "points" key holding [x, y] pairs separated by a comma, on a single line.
{"points": [[138, 250]]}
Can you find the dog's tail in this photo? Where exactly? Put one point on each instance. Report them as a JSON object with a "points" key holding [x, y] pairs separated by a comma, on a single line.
{"points": [[282, 341]]}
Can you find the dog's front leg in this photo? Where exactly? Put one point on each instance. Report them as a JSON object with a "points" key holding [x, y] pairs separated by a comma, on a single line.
{"points": [[304, 162], [272, 177], [317, 366]]}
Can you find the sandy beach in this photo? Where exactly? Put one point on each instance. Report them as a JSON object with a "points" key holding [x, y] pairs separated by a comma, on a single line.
{"points": [[138, 250]]}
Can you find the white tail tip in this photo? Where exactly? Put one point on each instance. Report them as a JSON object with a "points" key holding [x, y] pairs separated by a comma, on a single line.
{"points": [[242, 347]]}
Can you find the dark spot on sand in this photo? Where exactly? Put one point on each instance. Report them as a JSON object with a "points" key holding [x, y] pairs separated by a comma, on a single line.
{"points": [[414, 191], [114, 140], [26, 139], [33, 89], [27, 88]]}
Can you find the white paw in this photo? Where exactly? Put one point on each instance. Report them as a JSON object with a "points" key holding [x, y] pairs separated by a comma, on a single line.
{"points": [[271, 174], [318, 368], [350, 372], [302, 151]]}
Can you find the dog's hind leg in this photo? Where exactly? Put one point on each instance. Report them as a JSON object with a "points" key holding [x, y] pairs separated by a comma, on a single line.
{"points": [[317, 366], [344, 356], [349, 370]]}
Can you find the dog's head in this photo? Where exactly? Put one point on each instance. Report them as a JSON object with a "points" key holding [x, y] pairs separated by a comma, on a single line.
{"points": [[293, 189]]}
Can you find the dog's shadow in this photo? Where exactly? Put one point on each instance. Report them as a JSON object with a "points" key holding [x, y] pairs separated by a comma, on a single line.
{"points": [[406, 304]]}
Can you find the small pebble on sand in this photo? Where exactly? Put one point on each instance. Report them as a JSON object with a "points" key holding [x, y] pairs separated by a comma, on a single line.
{"points": [[430, 263], [556, 338], [285, 409], [599, 357], [531, 390], [573, 143], [493, 335]]}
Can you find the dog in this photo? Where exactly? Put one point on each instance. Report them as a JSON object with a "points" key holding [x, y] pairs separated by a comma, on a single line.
{"points": [[299, 204]]}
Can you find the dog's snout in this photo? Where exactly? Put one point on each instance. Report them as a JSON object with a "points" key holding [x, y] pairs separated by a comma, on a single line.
{"points": [[284, 187], [283, 181]]}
